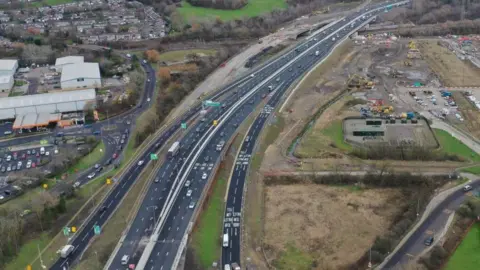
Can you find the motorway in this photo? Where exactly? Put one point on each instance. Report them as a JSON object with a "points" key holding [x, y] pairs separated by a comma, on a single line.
{"points": [[167, 201], [433, 224]]}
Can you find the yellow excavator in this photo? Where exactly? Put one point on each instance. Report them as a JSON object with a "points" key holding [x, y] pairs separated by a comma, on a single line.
{"points": [[412, 45], [357, 81], [407, 63]]}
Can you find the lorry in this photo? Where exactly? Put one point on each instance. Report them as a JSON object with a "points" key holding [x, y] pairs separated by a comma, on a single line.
{"points": [[66, 250], [446, 93], [174, 149], [225, 240], [410, 115]]}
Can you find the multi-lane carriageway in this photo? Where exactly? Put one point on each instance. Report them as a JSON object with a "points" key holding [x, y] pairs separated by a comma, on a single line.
{"points": [[176, 213], [198, 154]]}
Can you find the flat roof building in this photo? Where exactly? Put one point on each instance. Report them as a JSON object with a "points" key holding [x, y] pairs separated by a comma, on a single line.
{"points": [[8, 66], [71, 101], [67, 60], [35, 120], [80, 75], [6, 83]]}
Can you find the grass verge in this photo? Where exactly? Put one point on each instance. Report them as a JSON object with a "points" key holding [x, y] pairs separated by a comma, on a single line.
{"points": [[253, 8], [293, 258], [78, 208], [472, 170], [173, 56], [50, 3], [451, 145], [466, 256], [335, 132], [90, 159]]}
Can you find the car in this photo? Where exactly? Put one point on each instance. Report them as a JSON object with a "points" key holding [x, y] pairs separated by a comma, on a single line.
{"points": [[9, 158], [97, 166], [99, 169], [140, 163], [124, 136], [122, 141], [1, 197], [222, 134], [8, 132], [128, 122], [148, 99], [34, 165], [125, 259], [77, 184], [19, 164], [157, 179], [38, 154], [207, 158], [189, 193], [9, 168], [428, 241], [23, 156], [3, 169], [91, 175], [108, 162], [115, 155], [15, 155], [103, 209], [204, 176], [34, 152], [47, 153], [467, 188], [29, 164], [187, 183], [119, 147], [7, 192], [14, 167], [252, 75], [191, 205]]}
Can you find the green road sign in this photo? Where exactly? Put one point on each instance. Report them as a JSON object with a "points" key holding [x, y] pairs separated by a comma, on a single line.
{"points": [[97, 230], [210, 103], [43, 142], [153, 156], [66, 231], [184, 125]]}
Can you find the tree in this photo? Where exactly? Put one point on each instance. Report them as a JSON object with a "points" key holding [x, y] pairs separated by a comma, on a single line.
{"points": [[152, 55], [164, 75]]}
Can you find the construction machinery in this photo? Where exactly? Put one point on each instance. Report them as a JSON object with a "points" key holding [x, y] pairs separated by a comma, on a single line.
{"points": [[412, 45], [407, 63], [357, 81], [383, 109]]}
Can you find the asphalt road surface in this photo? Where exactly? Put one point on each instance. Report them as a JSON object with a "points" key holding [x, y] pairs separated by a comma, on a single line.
{"points": [[435, 223], [287, 69]]}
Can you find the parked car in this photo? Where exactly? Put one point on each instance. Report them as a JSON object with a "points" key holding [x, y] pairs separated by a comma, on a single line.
{"points": [[428, 241], [467, 188]]}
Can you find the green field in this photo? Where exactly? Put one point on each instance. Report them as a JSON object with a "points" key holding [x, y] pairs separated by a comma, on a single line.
{"points": [[335, 132], [207, 237], [453, 146], [253, 8], [472, 170], [50, 3], [293, 258], [466, 256]]}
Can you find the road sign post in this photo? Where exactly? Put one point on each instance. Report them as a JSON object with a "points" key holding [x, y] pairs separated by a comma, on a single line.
{"points": [[184, 125], [210, 103], [153, 156], [66, 231]]}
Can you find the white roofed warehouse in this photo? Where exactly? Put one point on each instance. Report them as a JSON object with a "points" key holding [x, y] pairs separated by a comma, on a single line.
{"points": [[51, 103], [6, 83], [67, 60], [8, 66], [80, 75]]}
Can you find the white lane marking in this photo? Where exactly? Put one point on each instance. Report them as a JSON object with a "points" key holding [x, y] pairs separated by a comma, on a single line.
{"points": [[117, 194], [110, 203], [235, 191]]}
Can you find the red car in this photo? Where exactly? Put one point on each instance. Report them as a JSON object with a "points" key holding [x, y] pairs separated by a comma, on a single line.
{"points": [[34, 165], [24, 156], [114, 155], [38, 154]]}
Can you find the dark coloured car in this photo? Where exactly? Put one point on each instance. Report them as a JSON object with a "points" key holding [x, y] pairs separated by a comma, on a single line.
{"points": [[429, 241], [108, 162], [103, 209], [99, 169]]}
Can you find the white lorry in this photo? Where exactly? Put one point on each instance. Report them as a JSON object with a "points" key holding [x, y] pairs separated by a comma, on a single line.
{"points": [[174, 149], [225, 240], [66, 250]]}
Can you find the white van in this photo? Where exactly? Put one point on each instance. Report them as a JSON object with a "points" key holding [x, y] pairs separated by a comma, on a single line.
{"points": [[66, 250], [42, 150], [125, 259], [227, 267]]}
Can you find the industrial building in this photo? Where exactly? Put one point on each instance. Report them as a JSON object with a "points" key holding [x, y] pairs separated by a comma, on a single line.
{"points": [[80, 75], [62, 102], [67, 60], [6, 83], [8, 66]]}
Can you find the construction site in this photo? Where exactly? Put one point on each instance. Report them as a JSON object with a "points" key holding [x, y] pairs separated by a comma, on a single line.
{"points": [[374, 90]]}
